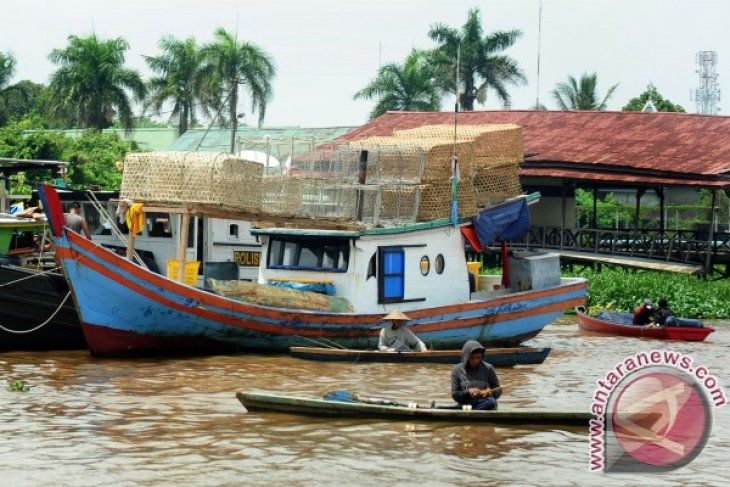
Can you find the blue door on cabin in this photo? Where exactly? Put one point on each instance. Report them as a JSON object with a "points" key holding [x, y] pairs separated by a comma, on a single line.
{"points": [[391, 283]]}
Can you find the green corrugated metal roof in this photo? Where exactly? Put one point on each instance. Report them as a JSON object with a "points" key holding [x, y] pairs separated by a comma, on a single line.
{"points": [[219, 140], [148, 139]]}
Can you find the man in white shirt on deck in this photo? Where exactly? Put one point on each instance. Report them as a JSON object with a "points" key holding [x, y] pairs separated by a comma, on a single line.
{"points": [[395, 337]]}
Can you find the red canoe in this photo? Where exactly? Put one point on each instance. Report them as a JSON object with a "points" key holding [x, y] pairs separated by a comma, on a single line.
{"points": [[682, 333]]}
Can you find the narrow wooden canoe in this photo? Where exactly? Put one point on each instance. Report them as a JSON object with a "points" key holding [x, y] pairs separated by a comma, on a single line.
{"points": [[681, 333], [261, 401], [498, 357]]}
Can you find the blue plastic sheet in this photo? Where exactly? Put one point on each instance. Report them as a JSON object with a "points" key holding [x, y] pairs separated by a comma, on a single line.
{"points": [[509, 221], [314, 287]]}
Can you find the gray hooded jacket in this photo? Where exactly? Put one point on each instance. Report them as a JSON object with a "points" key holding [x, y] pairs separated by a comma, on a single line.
{"points": [[464, 378]]}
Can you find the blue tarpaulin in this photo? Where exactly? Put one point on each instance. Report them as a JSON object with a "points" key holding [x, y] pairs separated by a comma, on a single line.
{"points": [[509, 221], [315, 287]]}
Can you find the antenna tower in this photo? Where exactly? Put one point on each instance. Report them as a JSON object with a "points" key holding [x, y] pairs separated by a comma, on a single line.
{"points": [[707, 95]]}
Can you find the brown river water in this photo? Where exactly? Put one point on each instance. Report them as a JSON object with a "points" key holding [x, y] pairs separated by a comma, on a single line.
{"points": [[176, 421]]}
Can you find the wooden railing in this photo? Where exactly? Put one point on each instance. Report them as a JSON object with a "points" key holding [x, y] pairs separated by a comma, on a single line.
{"points": [[684, 246]]}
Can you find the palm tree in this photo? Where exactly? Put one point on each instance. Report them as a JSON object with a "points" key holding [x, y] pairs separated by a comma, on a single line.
{"points": [[92, 82], [481, 66], [406, 87], [180, 79], [581, 95], [234, 65], [7, 70]]}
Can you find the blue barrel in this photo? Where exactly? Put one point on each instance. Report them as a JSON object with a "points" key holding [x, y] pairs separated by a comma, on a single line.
{"points": [[223, 271]]}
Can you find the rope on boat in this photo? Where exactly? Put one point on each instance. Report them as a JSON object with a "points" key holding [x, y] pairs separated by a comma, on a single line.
{"points": [[23, 332], [37, 274], [53, 315]]}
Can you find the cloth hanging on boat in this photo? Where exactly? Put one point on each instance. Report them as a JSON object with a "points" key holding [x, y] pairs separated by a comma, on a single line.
{"points": [[508, 221], [135, 218]]}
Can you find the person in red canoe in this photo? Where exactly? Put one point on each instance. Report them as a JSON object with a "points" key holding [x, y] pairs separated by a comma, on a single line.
{"points": [[665, 317], [644, 314]]}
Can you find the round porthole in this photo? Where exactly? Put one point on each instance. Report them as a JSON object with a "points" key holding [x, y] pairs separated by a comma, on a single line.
{"points": [[439, 264], [425, 265]]}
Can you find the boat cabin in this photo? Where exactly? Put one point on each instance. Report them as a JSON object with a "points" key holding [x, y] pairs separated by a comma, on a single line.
{"points": [[408, 267]]}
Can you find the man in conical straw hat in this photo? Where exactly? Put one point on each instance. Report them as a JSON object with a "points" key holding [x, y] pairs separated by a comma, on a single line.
{"points": [[395, 337]]}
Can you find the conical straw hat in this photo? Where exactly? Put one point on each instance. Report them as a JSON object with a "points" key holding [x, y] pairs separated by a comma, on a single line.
{"points": [[396, 315]]}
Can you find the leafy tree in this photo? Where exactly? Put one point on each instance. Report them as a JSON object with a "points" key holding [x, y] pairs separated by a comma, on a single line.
{"points": [[637, 104], [24, 98], [406, 87], [7, 70], [581, 95], [482, 66], [92, 156], [92, 82], [234, 66], [607, 210], [181, 74]]}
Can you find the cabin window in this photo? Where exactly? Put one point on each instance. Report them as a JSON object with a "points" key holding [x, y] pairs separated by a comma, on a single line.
{"points": [[233, 231], [309, 253], [439, 264], [158, 225], [425, 265], [391, 286]]}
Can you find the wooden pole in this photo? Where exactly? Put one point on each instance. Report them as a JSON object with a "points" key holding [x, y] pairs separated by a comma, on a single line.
{"points": [[361, 178], [662, 221], [182, 245], [639, 193], [130, 245], [505, 264], [711, 235], [595, 207]]}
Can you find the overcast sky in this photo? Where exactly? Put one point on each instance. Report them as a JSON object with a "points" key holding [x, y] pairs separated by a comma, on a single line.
{"points": [[326, 50]]}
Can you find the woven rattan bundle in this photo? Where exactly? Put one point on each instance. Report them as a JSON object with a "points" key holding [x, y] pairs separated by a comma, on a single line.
{"points": [[192, 178]]}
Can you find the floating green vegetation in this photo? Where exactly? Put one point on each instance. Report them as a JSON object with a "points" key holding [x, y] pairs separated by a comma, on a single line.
{"points": [[19, 385], [623, 289], [690, 297]]}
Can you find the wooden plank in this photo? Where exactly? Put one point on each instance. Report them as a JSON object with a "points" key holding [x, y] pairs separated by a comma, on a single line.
{"points": [[636, 262]]}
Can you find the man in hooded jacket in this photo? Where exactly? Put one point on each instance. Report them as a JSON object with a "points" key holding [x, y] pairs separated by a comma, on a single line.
{"points": [[473, 380]]}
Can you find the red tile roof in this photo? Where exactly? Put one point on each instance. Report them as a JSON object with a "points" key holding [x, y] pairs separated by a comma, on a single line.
{"points": [[653, 148]]}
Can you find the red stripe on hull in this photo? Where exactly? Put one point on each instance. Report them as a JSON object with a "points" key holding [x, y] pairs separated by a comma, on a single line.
{"points": [[115, 261], [109, 342]]}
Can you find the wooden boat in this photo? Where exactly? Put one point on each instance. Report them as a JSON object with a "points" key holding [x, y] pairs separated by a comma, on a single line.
{"points": [[612, 326], [498, 357], [380, 409], [36, 310], [125, 309]]}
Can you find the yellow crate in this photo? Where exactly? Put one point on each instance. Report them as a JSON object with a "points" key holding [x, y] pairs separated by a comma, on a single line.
{"points": [[475, 268], [191, 270]]}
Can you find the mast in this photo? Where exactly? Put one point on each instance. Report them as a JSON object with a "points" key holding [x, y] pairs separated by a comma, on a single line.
{"points": [[455, 173]]}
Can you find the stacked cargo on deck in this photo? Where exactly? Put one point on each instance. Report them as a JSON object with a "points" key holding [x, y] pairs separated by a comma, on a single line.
{"points": [[408, 177]]}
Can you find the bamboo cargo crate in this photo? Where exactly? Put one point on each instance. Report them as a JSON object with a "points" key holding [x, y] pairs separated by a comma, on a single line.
{"points": [[193, 178]]}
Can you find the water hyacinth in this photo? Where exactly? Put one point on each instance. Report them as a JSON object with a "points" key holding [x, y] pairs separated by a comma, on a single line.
{"points": [[688, 296]]}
